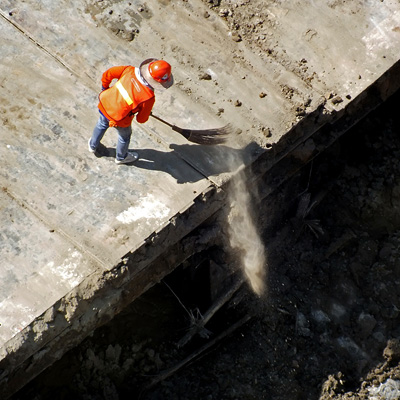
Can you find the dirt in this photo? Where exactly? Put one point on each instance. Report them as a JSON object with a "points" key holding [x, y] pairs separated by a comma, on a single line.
{"points": [[328, 325], [328, 328]]}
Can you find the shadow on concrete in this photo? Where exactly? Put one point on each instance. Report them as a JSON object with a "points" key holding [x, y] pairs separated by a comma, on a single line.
{"points": [[204, 161]]}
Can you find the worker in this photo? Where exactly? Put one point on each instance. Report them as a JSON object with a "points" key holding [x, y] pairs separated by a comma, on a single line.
{"points": [[132, 94]]}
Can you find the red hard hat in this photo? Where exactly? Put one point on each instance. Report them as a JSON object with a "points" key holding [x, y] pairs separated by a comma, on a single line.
{"points": [[160, 71]]}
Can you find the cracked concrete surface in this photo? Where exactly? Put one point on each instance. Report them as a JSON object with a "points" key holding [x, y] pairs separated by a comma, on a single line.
{"points": [[73, 225]]}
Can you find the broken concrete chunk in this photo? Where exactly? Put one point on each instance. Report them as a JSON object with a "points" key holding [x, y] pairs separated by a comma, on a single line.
{"points": [[392, 350], [205, 77], [337, 100], [236, 37]]}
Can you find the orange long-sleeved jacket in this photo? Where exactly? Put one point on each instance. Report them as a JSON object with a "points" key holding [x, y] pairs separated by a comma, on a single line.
{"points": [[127, 98]]}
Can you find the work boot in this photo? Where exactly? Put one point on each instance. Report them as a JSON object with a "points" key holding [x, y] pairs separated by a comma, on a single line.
{"points": [[130, 158]]}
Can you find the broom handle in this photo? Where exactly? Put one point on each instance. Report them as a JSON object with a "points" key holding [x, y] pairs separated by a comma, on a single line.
{"points": [[174, 127], [165, 122]]}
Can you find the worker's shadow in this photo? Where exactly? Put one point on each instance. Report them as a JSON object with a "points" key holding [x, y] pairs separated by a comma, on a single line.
{"points": [[191, 163]]}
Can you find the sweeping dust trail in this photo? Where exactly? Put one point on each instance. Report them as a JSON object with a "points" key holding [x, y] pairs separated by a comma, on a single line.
{"points": [[244, 238]]}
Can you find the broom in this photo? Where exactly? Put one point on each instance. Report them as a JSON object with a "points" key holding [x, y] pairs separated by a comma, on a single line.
{"points": [[201, 136]]}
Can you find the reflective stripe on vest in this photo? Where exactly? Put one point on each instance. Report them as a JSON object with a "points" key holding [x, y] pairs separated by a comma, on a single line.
{"points": [[125, 98], [124, 93]]}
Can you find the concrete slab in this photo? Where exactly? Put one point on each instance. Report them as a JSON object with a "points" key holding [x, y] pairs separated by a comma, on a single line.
{"points": [[69, 220], [100, 211]]}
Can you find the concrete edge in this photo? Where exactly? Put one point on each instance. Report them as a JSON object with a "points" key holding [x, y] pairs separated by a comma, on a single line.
{"points": [[76, 315], [73, 317]]}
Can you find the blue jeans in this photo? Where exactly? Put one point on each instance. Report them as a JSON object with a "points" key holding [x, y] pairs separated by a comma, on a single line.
{"points": [[124, 136]]}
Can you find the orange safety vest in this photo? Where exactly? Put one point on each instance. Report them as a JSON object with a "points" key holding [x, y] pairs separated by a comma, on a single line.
{"points": [[127, 97]]}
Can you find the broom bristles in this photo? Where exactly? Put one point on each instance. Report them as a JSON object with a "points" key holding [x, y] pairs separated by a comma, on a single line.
{"points": [[211, 136]]}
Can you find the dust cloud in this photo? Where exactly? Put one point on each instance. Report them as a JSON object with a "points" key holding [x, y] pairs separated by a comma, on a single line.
{"points": [[244, 238]]}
